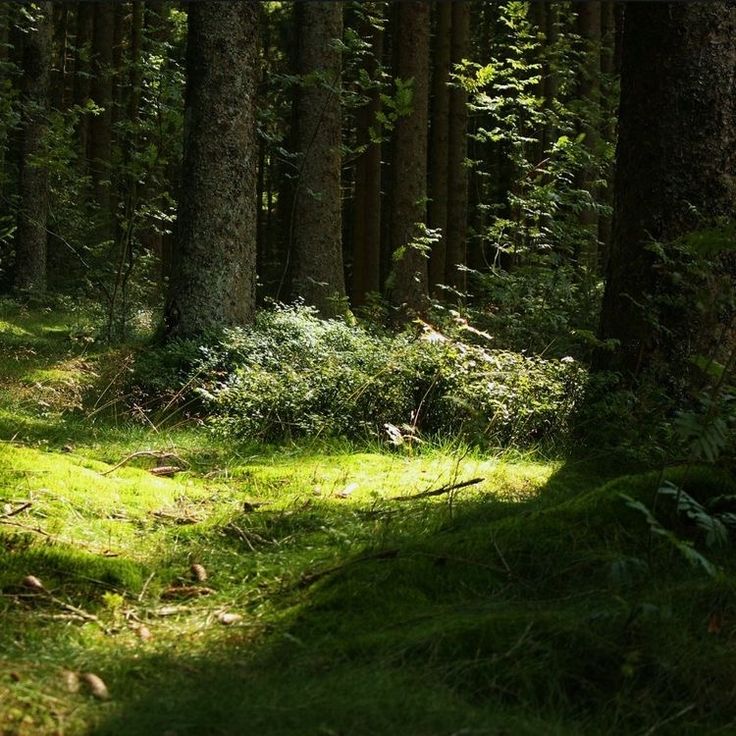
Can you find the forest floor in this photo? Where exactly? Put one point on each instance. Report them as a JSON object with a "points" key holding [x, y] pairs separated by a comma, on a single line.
{"points": [[296, 590]]}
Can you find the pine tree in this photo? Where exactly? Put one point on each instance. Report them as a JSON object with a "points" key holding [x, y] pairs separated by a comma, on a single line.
{"points": [[213, 284], [676, 164], [31, 236], [318, 275], [409, 165]]}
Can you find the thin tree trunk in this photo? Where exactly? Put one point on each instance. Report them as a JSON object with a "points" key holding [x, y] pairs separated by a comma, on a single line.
{"points": [[409, 278], [608, 111], [214, 282], [440, 136], [30, 251], [318, 275], [551, 77], [457, 194], [58, 72], [83, 74], [367, 222], [589, 29], [152, 238], [101, 92]]}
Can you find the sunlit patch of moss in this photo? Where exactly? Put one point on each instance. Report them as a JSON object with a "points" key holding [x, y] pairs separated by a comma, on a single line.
{"points": [[9, 329]]}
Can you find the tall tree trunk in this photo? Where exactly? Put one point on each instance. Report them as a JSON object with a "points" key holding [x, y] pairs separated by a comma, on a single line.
{"points": [[318, 275], [457, 193], [551, 77], [483, 17], [121, 34], [367, 222], [83, 73], [589, 29], [538, 20], [214, 280], [156, 29], [387, 149], [440, 137], [101, 92], [676, 168], [608, 112], [6, 15], [30, 250], [409, 191], [58, 72]]}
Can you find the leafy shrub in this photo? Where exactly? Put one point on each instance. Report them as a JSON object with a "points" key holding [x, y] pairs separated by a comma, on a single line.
{"points": [[543, 308], [294, 374]]}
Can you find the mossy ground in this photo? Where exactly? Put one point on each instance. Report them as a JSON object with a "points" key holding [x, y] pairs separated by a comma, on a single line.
{"points": [[533, 602]]}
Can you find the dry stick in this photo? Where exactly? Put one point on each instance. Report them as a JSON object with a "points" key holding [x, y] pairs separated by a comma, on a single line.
{"points": [[439, 491], [26, 505], [308, 579], [146, 453], [78, 612], [25, 527], [142, 594], [674, 717]]}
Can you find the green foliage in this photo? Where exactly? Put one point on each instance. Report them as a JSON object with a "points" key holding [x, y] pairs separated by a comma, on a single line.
{"points": [[541, 211], [294, 374], [540, 308]]}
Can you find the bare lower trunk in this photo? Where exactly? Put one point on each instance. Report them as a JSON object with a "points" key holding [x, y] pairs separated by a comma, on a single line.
{"points": [[318, 275], [457, 192], [676, 167], [30, 252], [100, 125], [213, 285], [367, 216], [589, 28], [440, 135], [409, 277]]}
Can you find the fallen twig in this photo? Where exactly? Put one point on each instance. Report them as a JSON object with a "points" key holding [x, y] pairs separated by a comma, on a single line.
{"points": [[25, 505], [439, 491], [308, 579], [165, 471], [145, 586], [25, 527], [176, 518], [147, 453], [40, 592]]}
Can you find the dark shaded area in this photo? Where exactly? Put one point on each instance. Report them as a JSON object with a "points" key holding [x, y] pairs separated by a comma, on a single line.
{"points": [[494, 617]]}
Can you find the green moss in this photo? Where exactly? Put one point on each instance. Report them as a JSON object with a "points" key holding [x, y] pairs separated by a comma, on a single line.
{"points": [[533, 602]]}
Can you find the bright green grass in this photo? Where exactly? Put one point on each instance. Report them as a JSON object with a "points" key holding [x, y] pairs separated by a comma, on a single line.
{"points": [[532, 603]]}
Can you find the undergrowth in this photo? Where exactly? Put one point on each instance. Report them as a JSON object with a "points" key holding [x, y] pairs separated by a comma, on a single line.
{"points": [[294, 375], [534, 600]]}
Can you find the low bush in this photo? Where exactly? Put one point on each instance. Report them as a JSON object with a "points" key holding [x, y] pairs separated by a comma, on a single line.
{"points": [[294, 374]]}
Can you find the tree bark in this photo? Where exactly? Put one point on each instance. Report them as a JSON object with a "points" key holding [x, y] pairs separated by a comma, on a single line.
{"points": [[440, 136], [608, 124], [83, 74], [367, 222], [214, 280], [409, 278], [318, 275], [101, 93], [676, 167], [59, 71], [457, 193], [589, 29], [30, 251], [551, 82]]}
